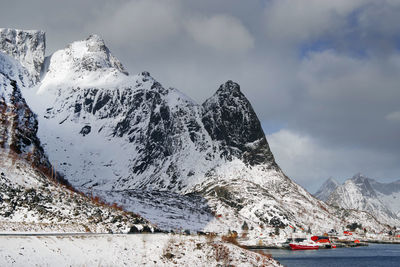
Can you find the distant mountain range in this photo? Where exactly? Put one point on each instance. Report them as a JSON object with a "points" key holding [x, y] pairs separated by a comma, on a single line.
{"points": [[326, 189], [359, 192]]}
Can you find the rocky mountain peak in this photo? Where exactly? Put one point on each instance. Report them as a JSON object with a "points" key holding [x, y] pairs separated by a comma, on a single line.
{"points": [[96, 39], [359, 177], [229, 87], [326, 189], [85, 64], [27, 46], [364, 184], [332, 180], [95, 54], [230, 119]]}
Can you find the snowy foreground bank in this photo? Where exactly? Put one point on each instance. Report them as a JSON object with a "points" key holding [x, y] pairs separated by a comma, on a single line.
{"points": [[125, 250]]}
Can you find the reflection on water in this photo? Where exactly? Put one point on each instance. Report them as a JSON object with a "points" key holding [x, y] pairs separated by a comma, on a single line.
{"points": [[373, 255]]}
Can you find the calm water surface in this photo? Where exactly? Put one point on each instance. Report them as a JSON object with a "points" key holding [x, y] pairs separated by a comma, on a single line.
{"points": [[373, 255]]}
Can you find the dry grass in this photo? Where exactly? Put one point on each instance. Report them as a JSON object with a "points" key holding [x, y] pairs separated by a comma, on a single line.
{"points": [[222, 253], [210, 237], [230, 239], [263, 253]]}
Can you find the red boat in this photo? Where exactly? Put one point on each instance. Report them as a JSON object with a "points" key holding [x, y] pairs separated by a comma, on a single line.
{"points": [[302, 247]]}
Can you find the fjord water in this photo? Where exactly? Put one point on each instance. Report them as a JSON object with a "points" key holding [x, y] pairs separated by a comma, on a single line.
{"points": [[372, 255]]}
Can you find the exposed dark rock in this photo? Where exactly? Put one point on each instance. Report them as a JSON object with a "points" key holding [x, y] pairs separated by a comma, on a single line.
{"points": [[133, 230], [146, 229], [85, 130], [20, 122], [230, 119]]}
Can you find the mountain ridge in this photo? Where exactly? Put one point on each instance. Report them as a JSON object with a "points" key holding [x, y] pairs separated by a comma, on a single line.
{"points": [[362, 193], [120, 136], [33, 195], [326, 189]]}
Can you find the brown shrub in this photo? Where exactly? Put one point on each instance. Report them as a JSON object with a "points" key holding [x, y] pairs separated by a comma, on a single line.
{"points": [[221, 253], [168, 255], [87, 229], [230, 239], [210, 237], [263, 253], [117, 207]]}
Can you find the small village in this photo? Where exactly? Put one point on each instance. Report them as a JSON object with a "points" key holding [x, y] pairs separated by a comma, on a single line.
{"points": [[290, 238]]}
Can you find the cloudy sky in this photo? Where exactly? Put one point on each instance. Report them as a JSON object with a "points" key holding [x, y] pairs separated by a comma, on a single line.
{"points": [[323, 76]]}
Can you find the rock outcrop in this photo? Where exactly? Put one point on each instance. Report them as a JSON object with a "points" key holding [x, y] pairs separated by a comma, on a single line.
{"points": [[28, 47]]}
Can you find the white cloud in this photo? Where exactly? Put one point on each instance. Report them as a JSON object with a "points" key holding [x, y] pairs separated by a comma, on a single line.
{"points": [[328, 75], [393, 116], [298, 20], [139, 22], [361, 86], [299, 156], [310, 163], [221, 32]]}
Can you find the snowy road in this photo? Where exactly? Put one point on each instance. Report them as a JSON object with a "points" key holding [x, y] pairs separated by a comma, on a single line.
{"points": [[87, 249], [55, 234]]}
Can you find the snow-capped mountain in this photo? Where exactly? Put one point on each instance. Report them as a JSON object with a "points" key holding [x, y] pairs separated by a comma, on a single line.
{"points": [[87, 105], [389, 194], [154, 150], [326, 189], [30, 198], [28, 47], [362, 193]]}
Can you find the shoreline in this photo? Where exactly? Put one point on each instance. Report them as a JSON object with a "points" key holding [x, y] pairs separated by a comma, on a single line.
{"points": [[348, 244], [389, 242]]}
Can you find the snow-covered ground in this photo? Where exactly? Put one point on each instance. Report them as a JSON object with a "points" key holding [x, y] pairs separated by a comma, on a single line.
{"points": [[125, 250], [30, 202]]}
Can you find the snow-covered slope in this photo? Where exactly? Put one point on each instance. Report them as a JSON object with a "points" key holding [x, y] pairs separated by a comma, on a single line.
{"points": [[28, 47], [30, 201], [389, 194], [128, 138], [126, 250], [359, 193], [31, 196], [18, 123], [326, 189], [86, 63]]}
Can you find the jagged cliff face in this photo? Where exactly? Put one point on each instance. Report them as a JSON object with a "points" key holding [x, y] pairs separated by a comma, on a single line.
{"points": [[122, 135], [231, 121], [18, 124], [28, 47]]}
